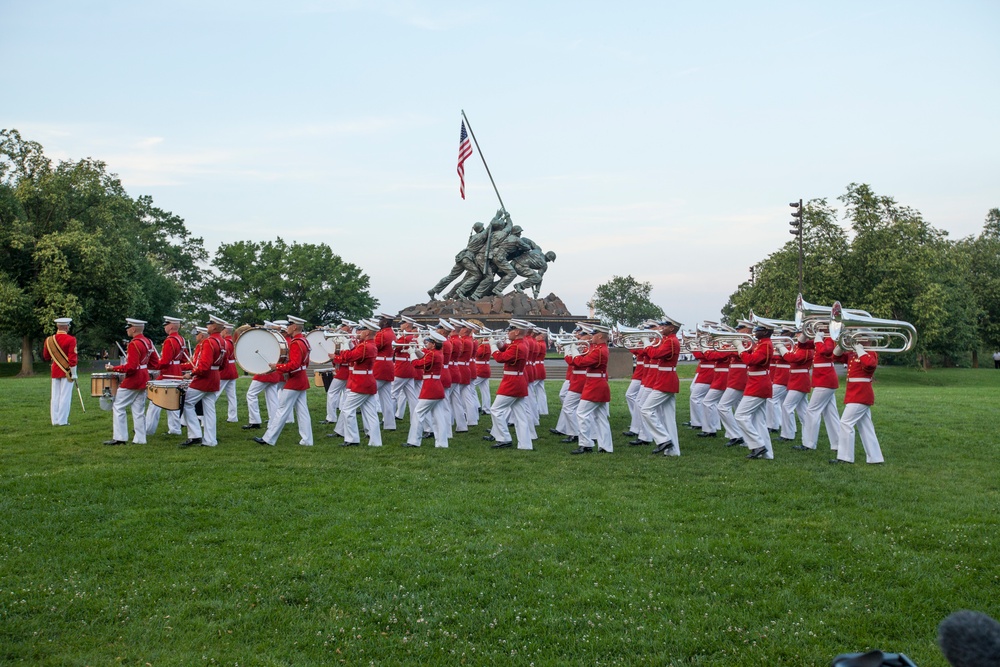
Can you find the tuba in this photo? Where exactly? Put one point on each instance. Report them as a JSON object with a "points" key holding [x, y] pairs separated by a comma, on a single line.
{"points": [[874, 334], [811, 319]]}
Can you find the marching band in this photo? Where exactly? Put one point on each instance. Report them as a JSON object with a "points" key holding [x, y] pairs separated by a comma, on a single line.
{"points": [[762, 378]]}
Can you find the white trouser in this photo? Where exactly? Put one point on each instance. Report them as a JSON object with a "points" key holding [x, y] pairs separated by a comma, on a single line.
{"points": [[153, 419], [459, 413], [634, 409], [822, 406], [207, 398], [61, 400], [388, 406], [482, 386], [532, 408], [753, 422], [432, 413], [541, 400], [568, 423], [471, 403], [404, 394], [640, 400], [659, 416], [696, 402], [270, 390], [594, 425], [710, 411], [796, 402], [123, 399], [727, 404], [293, 401], [333, 397], [773, 412], [860, 416], [503, 410], [368, 404], [227, 388]]}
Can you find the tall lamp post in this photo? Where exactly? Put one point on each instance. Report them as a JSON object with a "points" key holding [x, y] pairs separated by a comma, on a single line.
{"points": [[796, 230]]}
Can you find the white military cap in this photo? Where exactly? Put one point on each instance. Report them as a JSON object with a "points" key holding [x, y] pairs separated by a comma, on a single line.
{"points": [[268, 324], [445, 324], [203, 330], [63, 320], [600, 328], [371, 324], [666, 319], [585, 328], [217, 320], [409, 320], [744, 323], [519, 324], [296, 320], [135, 323], [434, 335], [172, 320], [387, 316]]}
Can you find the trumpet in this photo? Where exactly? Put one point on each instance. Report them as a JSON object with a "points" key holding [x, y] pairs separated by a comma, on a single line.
{"points": [[634, 338], [874, 334]]}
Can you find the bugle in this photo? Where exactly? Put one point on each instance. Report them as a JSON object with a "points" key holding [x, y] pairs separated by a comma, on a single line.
{"points": [[812, 319], [634, 338], [874, 334]]}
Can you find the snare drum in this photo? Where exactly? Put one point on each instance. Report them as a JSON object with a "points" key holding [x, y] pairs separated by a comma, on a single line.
{"points": [[105, 384], [323, 379], [258, 348], [167, 394]]}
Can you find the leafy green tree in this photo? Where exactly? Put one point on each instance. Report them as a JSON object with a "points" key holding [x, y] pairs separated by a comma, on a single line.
{"points": [[73, 243], [983, 256], [624, 301], [268, 280]]}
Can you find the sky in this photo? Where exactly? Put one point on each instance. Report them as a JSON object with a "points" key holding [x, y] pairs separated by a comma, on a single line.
{"points": [[662, 140]]}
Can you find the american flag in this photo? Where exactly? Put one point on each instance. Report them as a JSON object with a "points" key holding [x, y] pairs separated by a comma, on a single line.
{"points": [[464, 151]]}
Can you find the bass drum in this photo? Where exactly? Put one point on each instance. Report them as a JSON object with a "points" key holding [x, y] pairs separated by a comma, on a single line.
{"points": [[238, 331], [319, 349], [257, 348]]}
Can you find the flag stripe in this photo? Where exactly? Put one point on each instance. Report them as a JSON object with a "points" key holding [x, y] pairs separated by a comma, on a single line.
{"points": [[464, 151]]}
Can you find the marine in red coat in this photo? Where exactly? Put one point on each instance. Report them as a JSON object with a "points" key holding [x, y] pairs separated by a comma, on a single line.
{"points": [[362, 391], [511, 402], [60, 348], [860, 396], [294, 394], [139, 356], [593, 411], [659, 407]]}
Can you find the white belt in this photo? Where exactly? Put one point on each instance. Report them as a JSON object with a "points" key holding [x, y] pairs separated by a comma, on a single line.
{"points": [[232, 361], [142, 367], [737, 365], [859, 379], [822, 365], [707, 367], [782, 366], [383, 358], [579, 372], [640, 363], [799, 370], [302, 368], [434, 377], [722, 370], [513, 373], [597, 375], [756, 373], [667, 368], [354, 372]]}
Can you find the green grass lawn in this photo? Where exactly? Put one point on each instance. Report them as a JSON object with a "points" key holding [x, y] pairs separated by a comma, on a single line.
{"points": [[250, 555]]}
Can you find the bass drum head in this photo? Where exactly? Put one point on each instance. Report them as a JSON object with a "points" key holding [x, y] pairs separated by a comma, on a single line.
{"points": [[257, 348], [240, 330], [318, 352]]}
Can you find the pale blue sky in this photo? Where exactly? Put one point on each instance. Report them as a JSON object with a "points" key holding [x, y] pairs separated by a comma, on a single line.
{"points": [[659, 139]]}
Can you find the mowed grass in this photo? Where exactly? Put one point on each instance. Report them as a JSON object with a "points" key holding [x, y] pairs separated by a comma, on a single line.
{"points": [[250, 555]]}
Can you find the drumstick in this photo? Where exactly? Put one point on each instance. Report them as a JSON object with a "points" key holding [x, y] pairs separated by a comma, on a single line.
{"points": [[263, 357]]}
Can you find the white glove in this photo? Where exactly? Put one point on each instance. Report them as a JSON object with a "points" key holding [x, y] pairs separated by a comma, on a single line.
{"points": [[818, 338], [858, 350], [780, 347], [493, 346], [801, 337], [837, 350], [413, 353], [72, 372], [741, 346]]}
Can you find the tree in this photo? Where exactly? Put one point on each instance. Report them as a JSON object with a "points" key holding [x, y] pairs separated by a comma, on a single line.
{"points": [[73, 243], [624, 301], [268, 280], [983, 260]]}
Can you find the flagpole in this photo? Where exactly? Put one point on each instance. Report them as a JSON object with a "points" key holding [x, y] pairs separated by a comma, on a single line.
{"points": [[481, 157]]}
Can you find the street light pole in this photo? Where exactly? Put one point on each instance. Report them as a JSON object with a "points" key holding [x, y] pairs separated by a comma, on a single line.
{"points": [[796, 225]]}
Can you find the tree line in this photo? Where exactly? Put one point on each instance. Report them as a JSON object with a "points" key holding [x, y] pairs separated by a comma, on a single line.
{"points": [[73, 243]]}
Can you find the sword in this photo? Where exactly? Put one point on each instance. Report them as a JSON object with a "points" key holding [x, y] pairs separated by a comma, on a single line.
{"points": [[78, 393]]}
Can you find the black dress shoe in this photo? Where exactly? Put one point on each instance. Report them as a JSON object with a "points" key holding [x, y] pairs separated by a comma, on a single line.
{"points": [[637, 441], [501, 445], [695, 427], [571, 438], [190, 442], [426, 434], [663, 446], [784, 439], [686, 424], [757, 453], [261, 441], [555, 431], [800, 448], [629, 434], [334, 435], [705, 434], [603, 451], [406, 444], [350, 444], [840, 461], [115, 442], [773, 430], [734, 441], [583, 450], [489, 438], [248, 427]]}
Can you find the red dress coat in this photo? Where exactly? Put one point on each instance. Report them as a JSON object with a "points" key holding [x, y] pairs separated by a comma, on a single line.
{"points": [[663, 358], [228, 370], [640, 365], [460, 367], [541, 349], [860, 371], [430, 364], [720, 378], [67, 344], [757, 359], [446, 352], [384, 366], [465, 358], [737, 373], [209, 356], [297, 365], [513, 357], [595, 367], [706, 369], [139, 356], [402, 366], [361, 360], [824, 374], [171, 356], [799, 361], [779, 370], [483, 355]]}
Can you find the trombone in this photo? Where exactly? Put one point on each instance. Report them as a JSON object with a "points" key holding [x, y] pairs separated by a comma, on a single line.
{"points": [[847, 329]]}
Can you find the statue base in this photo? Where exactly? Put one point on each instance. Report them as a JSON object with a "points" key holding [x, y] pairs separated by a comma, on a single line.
{"points": [[494, 312]]}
